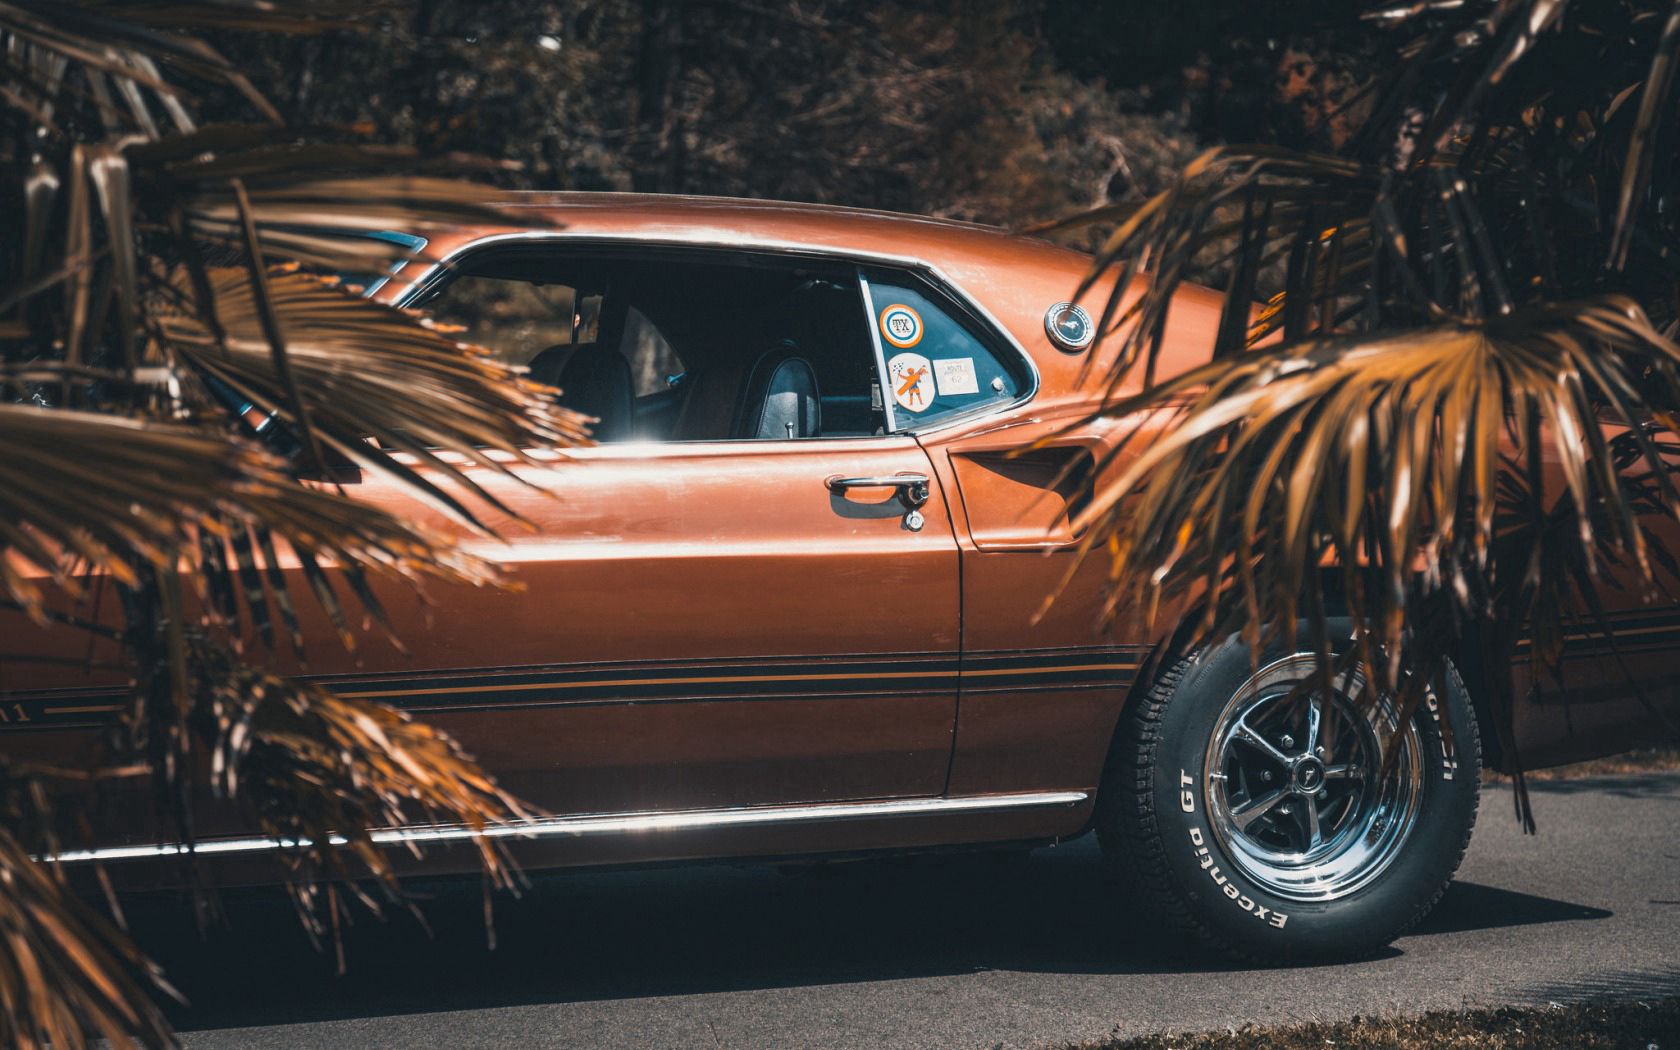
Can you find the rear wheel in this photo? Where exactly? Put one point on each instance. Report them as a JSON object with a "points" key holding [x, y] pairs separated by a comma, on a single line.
{"points": [[1277, 823]]}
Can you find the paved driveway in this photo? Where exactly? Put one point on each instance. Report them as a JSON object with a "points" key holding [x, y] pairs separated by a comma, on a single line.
{"points": [[935, 952]]}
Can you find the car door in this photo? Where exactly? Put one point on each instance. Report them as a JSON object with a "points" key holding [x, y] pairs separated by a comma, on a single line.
{"points": [[697, 624]]}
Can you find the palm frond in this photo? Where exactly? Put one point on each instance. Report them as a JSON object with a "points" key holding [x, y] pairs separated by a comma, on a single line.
{"points": [[69, 979], [79, 52], [82, 491], [1441, 351], [368, 371], [1655, 99], [322, 772], [150, 308], [1380, 456]]}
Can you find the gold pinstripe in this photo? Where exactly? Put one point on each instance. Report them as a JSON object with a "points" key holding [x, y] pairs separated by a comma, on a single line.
{"points": [[613, 683]]}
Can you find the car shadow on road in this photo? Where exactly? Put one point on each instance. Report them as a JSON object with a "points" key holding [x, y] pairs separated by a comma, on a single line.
{"points": [[674, 931], [1648, 785], [1468, 906]]}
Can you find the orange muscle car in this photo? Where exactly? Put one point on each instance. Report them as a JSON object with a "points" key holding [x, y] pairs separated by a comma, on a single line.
{"points": [[788, 606]]}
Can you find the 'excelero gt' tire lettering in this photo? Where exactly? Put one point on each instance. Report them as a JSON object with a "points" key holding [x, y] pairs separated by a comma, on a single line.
{"points": [[1262, 817], [1247, 904]]}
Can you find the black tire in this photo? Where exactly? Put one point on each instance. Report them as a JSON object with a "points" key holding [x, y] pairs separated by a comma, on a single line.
{"points": [[1156, 816]]}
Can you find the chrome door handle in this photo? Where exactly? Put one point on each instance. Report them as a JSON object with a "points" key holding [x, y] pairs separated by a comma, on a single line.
{"points": [[912, 488]]}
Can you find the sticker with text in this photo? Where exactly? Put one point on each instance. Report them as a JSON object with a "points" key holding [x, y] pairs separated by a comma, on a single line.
{"points": [[956, 376], [911, 376], [901, 326]]}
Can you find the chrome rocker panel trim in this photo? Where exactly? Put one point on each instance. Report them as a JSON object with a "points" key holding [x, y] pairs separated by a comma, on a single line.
{"points": [[611, 824]]}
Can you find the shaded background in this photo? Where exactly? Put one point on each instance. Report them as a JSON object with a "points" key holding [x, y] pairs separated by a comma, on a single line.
{"points": [[1000, 112]]}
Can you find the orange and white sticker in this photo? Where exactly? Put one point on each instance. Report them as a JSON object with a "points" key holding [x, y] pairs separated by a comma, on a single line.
{"points": [[901, 326], [911, 376]]}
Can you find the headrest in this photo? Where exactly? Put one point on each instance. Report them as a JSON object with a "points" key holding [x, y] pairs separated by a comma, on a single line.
{"points": [[781, 399], [593, 380]]}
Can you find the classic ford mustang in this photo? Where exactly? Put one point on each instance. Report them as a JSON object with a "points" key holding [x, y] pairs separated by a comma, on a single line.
{"points": [[789, 606]]}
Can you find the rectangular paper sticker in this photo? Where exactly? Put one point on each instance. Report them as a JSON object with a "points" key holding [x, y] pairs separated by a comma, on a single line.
{"points": [[956, 376]]}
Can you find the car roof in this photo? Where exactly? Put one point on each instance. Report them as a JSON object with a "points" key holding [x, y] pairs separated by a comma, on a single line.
{"points": [[701, 204], [732, 221]]}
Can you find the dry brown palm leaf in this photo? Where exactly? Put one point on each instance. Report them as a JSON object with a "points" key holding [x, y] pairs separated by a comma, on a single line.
{"points": [[1441, 372], [1380, 456], [83, 492], [313, 202], [115, 55], [67, 978], [1656, 97], [144, 361], [322, 773], [368, 371], [1242, 209]]}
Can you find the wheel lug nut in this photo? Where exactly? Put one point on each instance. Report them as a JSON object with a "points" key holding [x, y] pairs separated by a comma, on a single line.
{"points": [[1266, 775], [1287, 741]]}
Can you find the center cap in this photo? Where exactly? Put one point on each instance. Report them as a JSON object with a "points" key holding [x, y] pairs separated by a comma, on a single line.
{"points": [[1307, 773]]}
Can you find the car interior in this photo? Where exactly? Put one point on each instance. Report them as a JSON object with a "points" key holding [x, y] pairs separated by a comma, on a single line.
{"points": [[665, 348]]}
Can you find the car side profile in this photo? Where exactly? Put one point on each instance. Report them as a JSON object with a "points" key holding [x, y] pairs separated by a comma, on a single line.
{"points": [[795, 602]]}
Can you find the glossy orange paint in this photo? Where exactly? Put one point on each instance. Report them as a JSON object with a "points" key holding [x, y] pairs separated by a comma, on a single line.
{"points": [[707, 626]]}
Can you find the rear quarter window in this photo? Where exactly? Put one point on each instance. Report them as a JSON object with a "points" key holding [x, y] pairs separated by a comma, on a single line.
{"points": [[935, 364]]}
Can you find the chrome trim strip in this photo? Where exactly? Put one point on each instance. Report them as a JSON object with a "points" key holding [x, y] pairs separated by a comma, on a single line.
{"points": [[423, 281], [614, 824], [881, 375]]}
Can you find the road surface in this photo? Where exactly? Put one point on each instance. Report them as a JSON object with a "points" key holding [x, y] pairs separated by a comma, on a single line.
{"points": [[934, 952]]}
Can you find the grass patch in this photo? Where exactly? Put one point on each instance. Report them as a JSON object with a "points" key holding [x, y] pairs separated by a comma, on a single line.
{"points": [[1600, 1025], [1645, 760]]}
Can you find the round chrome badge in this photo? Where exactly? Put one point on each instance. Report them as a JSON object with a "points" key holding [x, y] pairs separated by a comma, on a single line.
{"points": [[1069, 327]]}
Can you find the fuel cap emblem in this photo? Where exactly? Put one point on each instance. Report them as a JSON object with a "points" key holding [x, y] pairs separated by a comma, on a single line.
{"points": [[1069, 327]]}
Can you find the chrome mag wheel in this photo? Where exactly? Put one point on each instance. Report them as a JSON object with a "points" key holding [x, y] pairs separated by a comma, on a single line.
{"points": [[1295, 782]]}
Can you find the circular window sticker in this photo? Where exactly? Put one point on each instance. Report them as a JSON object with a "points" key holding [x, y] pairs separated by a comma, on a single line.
{"points": [[911, 376], [1069, 327], [901, 326]]}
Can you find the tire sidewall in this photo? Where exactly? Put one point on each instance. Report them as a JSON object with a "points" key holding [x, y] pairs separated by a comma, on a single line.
{"points": [[1241, 913]]}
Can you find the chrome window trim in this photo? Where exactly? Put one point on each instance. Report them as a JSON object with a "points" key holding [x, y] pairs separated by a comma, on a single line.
{"points": [[433, 273], [881, 377], [612, 824]]}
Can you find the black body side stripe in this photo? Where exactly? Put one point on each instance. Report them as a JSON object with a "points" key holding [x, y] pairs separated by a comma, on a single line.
{"points": [[862, 676], [736, 679]]}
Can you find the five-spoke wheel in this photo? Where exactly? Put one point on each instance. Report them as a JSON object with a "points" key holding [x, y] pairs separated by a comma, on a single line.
{"points": [[1296, 781]]}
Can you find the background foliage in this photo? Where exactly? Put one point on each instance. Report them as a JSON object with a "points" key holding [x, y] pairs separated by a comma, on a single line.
{"points": [[993, 111]]}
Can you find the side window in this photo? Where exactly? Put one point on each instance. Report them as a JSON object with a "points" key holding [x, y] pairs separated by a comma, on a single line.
{"points": [[677, 345], [936, 366], [518, 319]]}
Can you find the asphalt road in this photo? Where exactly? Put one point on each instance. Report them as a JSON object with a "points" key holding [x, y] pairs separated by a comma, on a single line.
{"points": [[935, 952]]}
